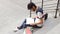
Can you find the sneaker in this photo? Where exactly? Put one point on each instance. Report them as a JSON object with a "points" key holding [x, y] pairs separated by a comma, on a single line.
{"points": [[19, 28]]}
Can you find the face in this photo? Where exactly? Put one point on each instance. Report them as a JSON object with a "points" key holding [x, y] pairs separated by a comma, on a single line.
{"points": [[33, 8]]}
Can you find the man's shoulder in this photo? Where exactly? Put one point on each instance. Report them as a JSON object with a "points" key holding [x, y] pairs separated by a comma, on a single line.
{"points": [[39, 10]]}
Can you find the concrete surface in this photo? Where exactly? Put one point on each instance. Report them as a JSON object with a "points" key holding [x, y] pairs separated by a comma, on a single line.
{"points": [[13, 12]]}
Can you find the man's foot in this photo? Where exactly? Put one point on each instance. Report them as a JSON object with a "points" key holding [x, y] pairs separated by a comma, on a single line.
{"points": [[19, 28], [15, 30]]}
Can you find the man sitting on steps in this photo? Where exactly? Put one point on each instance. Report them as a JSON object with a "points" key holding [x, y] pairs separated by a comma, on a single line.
{"points": [[36, 20]]}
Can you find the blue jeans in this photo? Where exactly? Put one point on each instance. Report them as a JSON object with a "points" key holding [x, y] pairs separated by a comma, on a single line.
{"points": [[24, 25]]}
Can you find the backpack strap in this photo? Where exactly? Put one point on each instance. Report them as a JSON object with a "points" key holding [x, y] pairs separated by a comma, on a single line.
{"points": [[39, 10]]}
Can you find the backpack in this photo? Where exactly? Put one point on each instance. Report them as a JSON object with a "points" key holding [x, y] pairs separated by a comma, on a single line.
{"points": [[41, 11]]}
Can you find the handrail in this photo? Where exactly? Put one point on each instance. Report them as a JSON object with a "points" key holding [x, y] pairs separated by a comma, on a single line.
{"points": [[52, 6], [30, 10], [42, 4], [57, 9], [55, 4]]}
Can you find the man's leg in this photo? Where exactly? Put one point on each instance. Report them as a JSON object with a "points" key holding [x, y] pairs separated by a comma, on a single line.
{"points": [[23, 25]]}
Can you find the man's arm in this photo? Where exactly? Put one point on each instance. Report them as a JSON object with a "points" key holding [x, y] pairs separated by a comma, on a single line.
{"points": [[40, 16], [39, 19]]}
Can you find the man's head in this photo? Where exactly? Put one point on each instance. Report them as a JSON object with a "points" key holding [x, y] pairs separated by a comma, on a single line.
{"points": [[31, 6]]}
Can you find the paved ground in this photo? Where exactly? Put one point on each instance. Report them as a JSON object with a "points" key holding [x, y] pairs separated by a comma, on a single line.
{"points": [[12, 13]]}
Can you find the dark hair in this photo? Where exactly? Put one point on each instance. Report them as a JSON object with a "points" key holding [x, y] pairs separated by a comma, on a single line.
{"points": [[30, 5]]}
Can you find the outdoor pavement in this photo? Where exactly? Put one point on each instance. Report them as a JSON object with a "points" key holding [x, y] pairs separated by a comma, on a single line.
{"points": [[13, 13]]}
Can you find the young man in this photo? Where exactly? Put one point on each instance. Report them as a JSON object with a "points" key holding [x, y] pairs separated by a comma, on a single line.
{"points": [[36, 17], [37, 11]]}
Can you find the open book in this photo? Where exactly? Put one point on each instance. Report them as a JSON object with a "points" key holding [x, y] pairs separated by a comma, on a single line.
{"points": [[31, 20]]}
